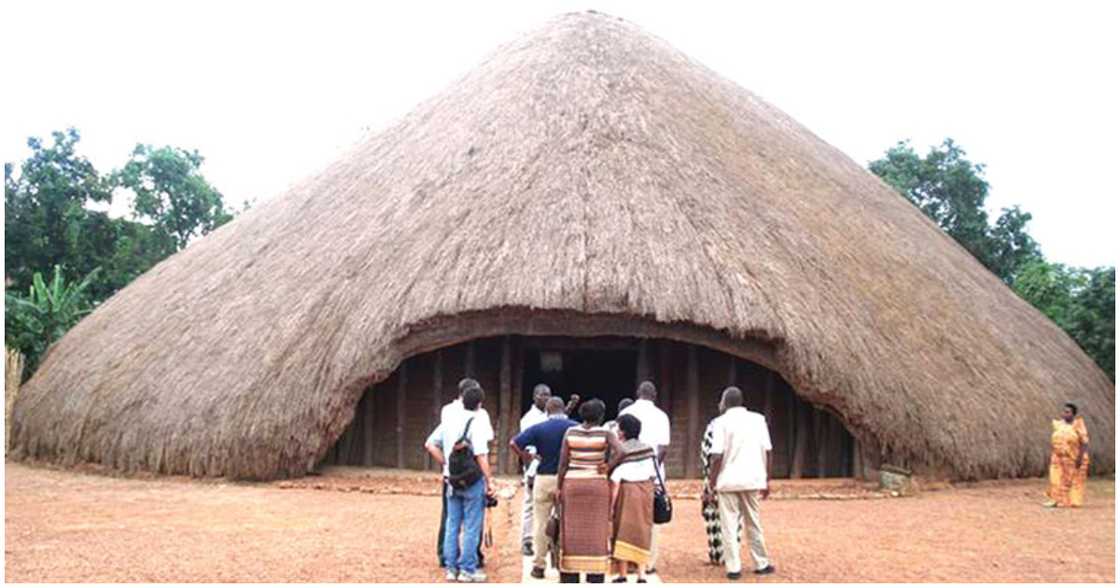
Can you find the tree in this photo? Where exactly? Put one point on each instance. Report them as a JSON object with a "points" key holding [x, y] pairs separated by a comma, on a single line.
{"points": [[1093, 320], [171, 193], [952, 191], [46, 222], [1051, 288], [34, 322]]}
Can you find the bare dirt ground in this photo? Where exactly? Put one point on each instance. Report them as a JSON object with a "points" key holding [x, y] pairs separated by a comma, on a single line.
{"points": [[379, 526], [64, 526]]}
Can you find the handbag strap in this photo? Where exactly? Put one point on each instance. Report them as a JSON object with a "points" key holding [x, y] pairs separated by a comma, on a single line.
{"points": [[657, 470]]}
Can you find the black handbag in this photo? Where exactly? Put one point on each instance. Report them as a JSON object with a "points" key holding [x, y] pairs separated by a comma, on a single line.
{"points": [[662, 506]]}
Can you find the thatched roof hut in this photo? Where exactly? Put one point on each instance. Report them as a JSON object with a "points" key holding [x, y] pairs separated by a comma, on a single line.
{"points": [[586, 179]]}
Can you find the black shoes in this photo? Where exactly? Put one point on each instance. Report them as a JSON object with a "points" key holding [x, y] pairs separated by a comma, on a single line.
{"points": [[537, 573], [765, 571], [734, 575], [527, 549]]}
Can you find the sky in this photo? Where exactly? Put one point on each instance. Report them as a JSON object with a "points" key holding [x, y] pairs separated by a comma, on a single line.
{"points": [[272, 92]]}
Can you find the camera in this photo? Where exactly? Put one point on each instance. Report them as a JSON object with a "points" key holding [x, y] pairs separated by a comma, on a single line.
{"points": [[491, 501]]}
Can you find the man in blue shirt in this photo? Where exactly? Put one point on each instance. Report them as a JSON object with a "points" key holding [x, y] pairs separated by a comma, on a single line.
{"points": [[547, 437]]}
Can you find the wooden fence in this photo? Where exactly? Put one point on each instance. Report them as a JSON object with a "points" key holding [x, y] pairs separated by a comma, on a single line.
{"points": [[13, 371]]}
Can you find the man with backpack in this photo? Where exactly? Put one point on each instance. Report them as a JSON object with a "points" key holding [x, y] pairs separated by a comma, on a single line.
{"points": [[462, 448], [482, 422]]}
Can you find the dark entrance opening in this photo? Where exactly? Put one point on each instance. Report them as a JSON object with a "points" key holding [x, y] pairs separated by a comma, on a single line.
{"points": [[607, 374]]}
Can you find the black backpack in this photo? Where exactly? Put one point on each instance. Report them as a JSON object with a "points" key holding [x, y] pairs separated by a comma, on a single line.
{"points": [[462, 467]]}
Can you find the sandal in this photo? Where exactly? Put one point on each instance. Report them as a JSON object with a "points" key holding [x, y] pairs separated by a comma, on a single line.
{"points": [[619, 580]]}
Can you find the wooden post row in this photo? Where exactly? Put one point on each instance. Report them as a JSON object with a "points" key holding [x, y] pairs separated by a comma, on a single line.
{"points": [[402, 384], [437, 399], [693, 393], [504, 401]]}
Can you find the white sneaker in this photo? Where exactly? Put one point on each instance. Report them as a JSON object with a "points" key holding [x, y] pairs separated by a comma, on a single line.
{"points": [[477, 577], [452, 576]]}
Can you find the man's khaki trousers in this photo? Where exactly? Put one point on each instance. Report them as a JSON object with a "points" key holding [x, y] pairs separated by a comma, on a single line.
{"points": [[543, 487], [733, 508]]}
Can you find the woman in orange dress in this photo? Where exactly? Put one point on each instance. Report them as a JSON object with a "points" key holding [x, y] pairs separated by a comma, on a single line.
{"points": [[1069, 460]]}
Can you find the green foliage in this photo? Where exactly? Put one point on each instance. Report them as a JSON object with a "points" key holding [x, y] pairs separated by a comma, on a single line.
{"points": [[1051, 288], [48, 224], [952, 191], [171, 193], [1093, 321], [32, 323]]}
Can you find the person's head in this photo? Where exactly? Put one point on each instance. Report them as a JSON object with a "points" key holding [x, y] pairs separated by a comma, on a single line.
{"points": [[646, 391], [592, 411], [1069, 411], [467, 383], [472, 397], [541, 394], [629, 427], [732, 397], [554, 405], [625, 402]]}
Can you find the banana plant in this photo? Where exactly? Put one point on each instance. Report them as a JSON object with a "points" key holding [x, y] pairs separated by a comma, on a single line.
{"points": [[35, 321]]}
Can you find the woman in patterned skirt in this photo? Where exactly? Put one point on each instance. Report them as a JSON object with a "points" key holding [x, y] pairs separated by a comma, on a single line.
{"points": [[585, 496]]}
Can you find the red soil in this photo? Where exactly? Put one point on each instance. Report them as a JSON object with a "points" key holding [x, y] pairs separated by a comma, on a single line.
{"points": [[362, 526]]}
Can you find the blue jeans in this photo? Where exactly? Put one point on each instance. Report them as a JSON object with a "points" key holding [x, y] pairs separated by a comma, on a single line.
{"points": [[464, 513]]}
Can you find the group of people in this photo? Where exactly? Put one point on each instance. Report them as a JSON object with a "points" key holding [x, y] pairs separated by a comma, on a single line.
{"points": [[590, 486], [596, 480]]}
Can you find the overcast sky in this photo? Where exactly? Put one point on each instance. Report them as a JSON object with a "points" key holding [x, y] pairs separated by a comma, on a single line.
{"points": [[269, 93]]}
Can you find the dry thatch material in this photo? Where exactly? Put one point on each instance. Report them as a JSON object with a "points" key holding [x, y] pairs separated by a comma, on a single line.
{"points": [[586, 178]]}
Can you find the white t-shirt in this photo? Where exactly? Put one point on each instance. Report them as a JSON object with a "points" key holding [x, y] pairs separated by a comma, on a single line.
{"points": [[743, 439], [456, 406], [655, 425], [634, 471], [450, 430], [534, 416]]}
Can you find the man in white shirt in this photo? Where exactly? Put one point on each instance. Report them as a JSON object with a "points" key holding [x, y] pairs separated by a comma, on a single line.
{"points": [[740, 475], [655, 433], [535, 415], [451, 413], [465, 507], [457, 406]]}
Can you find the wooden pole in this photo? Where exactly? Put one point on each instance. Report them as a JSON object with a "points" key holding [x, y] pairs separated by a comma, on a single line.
{"points": [[821, 436], [468, 364], [665, 384], [402, 385], [857, 460], [691, 469], [517, 367], [504, 385], [768, 398], [801, 441], [368, 430], [437, 399], [643, 371]]}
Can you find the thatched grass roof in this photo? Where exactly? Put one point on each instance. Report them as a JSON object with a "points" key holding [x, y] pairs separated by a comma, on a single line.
{"points": [[586, 177]]}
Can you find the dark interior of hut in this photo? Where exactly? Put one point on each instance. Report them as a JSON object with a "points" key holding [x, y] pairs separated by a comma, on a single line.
{"points": [[604, 374], [393, 418]]}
